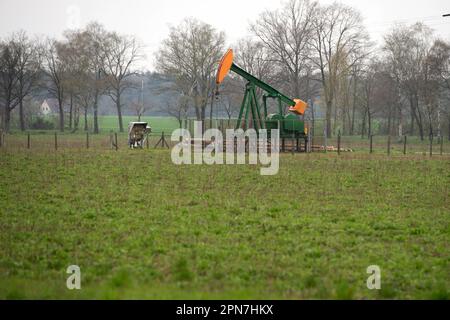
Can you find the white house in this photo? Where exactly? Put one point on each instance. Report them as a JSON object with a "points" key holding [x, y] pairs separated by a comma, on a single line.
{"points": [[49, 107]]}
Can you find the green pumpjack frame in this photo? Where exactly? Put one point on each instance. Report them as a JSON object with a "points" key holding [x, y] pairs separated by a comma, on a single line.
{"points": [[250, 103]]}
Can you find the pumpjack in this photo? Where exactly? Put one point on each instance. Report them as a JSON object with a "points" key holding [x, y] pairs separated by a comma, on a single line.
{"points": [[291, 125]]}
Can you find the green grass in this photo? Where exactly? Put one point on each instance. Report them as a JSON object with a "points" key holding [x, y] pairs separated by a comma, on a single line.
{"points": [[158, 124], [107, 123], [140, 227]]}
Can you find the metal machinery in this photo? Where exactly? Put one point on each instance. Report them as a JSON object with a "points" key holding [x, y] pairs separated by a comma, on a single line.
{"points": [[137, 134], [290, 124]]}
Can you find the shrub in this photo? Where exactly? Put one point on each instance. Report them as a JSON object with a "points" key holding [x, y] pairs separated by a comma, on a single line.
{"points": [[42, 124]]}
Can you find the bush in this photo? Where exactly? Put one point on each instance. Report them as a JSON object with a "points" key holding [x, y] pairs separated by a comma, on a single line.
{"points": [[42, 124]]}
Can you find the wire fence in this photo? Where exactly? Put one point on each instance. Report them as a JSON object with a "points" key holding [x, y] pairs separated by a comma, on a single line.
{"points": [[318, 142]]}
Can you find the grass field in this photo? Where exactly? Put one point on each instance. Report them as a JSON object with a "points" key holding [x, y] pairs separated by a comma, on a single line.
{"points": [[140, 227], [158, 124]]}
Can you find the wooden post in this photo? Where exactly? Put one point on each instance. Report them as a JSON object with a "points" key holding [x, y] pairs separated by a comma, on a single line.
{"points": [[371, 144], [404, 144], [339, 142], [28, 141], [87, 140], [56, 141], [431, 145], [389, 145], [146, 141], [162, 141], [115, 141], [442, 145]]}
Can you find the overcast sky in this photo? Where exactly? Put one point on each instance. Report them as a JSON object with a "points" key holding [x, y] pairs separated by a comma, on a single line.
{"points": [[150, 20]]}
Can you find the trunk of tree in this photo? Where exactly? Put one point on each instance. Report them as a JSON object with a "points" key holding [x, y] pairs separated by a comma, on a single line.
{"points": [[420, 124], [328, 118], [2, 117], [7, 119], [363, 124], [352, 125], [21, 113], [119, 110], [211, 110], [203, 113], [96, 113], [76, 118], [198, 113], [313, 118], [85, 119], [61, 114], [21, 116], [71, 112], [389, 120], [61, 119], [369, 123], [448, 126], [335, 117]]}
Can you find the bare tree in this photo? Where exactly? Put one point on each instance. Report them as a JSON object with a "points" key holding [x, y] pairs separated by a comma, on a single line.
{"points": [[179, 108], [190, 54], [29, 63], [9, 64], [339, 37], [231, 95], [439, 64], [286, 33], [55, 69], [121, 54], [407, 49], [95, 37], [138, 108]]}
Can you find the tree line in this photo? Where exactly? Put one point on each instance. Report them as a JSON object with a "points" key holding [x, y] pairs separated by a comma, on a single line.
{"points": [[320, 53], [76, 71]]}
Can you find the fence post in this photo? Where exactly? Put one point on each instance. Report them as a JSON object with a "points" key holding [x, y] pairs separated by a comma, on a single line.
{"points": [[371, 143], [431, 145], [389, 145], [146, 141], [404, 145], [339, 142], [442, 144], [115, 140], [28, 141], [87, 140], [56, 141]]}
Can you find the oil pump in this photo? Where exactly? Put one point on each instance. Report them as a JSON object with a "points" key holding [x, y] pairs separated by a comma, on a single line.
{"points": [[291, 126]]}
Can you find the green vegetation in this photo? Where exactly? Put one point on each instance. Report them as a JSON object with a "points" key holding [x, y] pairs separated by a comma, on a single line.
{"points": [[158, 124], [140, 227]]}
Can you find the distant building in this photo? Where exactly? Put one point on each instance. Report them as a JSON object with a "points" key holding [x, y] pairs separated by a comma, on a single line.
{"points": [[49, 107]]}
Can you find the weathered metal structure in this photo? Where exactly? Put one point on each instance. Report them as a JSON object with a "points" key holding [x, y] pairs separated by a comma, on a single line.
{"points": [[137, 134], [290, 124]]}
